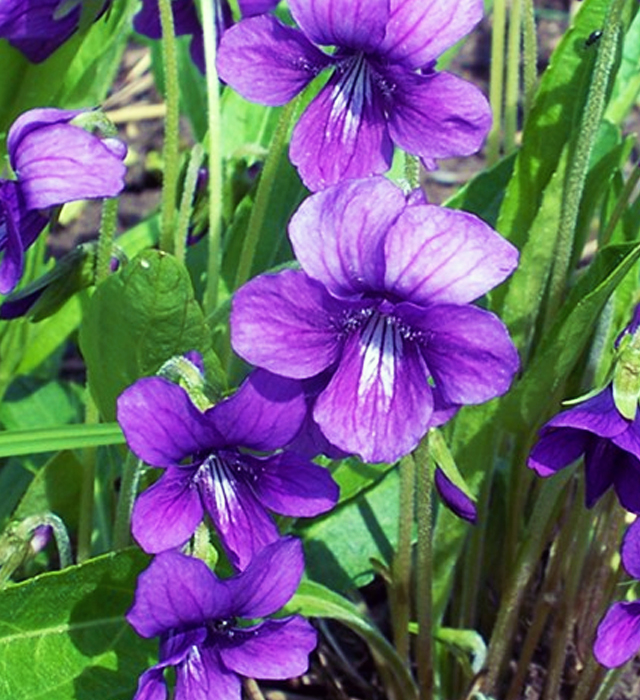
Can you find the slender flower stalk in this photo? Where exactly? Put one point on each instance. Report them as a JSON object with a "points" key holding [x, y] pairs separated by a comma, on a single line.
{"points": [[171, 154], [108, 226], [512, 91], [496, 81], [186, 203]]}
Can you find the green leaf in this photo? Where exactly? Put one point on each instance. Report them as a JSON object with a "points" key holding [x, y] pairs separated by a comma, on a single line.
{"points": [[314, 600], [136, 320], [63, 635], [371, 520], [63, 437]]}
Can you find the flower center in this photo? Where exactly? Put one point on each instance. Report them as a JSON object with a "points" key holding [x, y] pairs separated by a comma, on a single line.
{"points": [[351, 94], [225, 627]]}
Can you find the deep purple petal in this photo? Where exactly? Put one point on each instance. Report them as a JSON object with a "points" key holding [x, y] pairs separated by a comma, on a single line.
{"points": [[438, 255], [291, 485], [151, 685], [264, 414], [243, 524], [618, 635], [597, 415], [270, 579], [454, 498], [353, 24], [249, 8], [338, 234], [202, 676], [177, 592], [343, 132], [167, 514], [418, 32], [161, 424], [378, 404], [278, 649], [268, 62], [468, 351], [601, 465], [626, 482], [185, 18], [629, 440], [62, 163], [437, 115], [557, 448], [285, 323], [176, 644], [630, 550]]}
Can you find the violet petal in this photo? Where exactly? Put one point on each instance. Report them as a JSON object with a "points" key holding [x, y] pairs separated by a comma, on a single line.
{"points": [[618, 635], [151, 685], [598, 415], [556, 449], [631, 550], [338, 234], [268, 62], [454, 498], [600, 464], [626, 482], [203, 677], [292, 317], [278, 649]]}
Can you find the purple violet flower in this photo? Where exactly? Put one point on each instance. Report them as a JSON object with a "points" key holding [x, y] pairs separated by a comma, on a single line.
{"points": [[618, 634], [37, 28], [187, 23], [196, 615], [237, 489], [56, 161], [19, 228], [383, 89], [609, 443], [382, 304]]}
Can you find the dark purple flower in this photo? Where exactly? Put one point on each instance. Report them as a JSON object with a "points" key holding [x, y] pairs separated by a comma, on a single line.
{"points": [[236, 488], [38, 27], [19, 228], [383, 89], [609, 443], [208, 629], [618, 634], [57, 161], [187, 23], [454, 498], [383, 304]]}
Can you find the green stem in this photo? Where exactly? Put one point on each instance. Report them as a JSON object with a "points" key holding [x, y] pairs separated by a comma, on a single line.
{"points": [[530, 54], [496, 83], [621, 205], [400, 589], [171, 126], [85, 519], [210, 300], [131, 471], [513, 76], [108, 225], [263, 194], [186, 203], [424, 570], [412, 170], [579, 165]]}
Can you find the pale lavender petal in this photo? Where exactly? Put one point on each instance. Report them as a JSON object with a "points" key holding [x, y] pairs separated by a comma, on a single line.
{"points": [[454, 498], [249, 8], [177, 592], [268, 62], [597, 415], [32, 120], [62, 163], [439, 255], [264, 414], [343, 132], [270, 580], [630, 550], [277, 649], [202, 676], [418, 32], [557, 448], [601, 465], [286, 323], [243, 524], [338, 234], [378, 404], [437, 115], [618, 635], [468, 351], [161, 424], [151, 685], [291, 485], [167, 514], [353, 24]]}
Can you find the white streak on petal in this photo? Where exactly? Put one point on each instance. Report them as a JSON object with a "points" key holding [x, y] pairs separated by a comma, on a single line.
{"points": [[350, 96], [382, 348]]}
